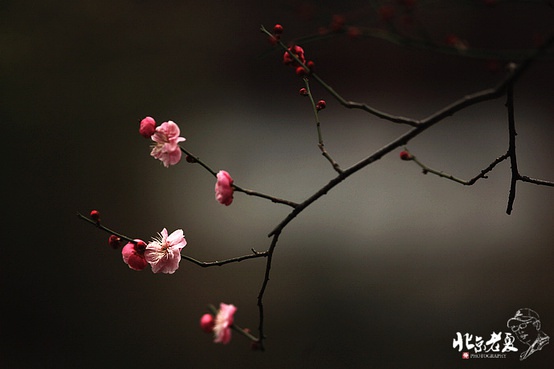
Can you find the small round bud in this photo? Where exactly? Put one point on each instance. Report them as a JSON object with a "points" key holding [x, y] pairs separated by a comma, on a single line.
{"points": [[147, 127], [337, 22], [386, 12], [303, 91], [353, 33], [310, 64], [140, 246], [114, 241], [300, 71], [321, 104], [277, 29], [132, 257], [207, 323], [405, 155], [190, 159], [95, 215]]}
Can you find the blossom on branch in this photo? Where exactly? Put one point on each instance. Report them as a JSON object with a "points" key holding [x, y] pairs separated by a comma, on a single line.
{"points": [[166, 147], [224, 188], [223, 322], [164, 253], [133, 255]]}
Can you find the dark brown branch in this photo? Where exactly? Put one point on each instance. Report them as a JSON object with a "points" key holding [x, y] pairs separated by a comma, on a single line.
{"points": [[470, 182], [263, 289], [205, 264], [540, 182], [512, 147]]}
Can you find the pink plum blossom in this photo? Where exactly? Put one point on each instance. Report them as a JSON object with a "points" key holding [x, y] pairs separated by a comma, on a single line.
{"points": [[166, 147], [147, 127], [224, 188], [223, 322], [164, 253], [133, 255]]}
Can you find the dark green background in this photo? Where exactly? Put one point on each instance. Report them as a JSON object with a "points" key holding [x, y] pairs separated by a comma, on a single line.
{"points": [[380, 273]]}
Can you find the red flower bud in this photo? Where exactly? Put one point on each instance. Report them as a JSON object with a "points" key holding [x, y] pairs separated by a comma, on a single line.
{"points": [[321, 104], [405, 155], [140, 247], [337, 23], [386, 12], [277, 29], [133, 257], [95, 215], [303, 91], [207, 323], [300, 71], [190, 159], [114, 241], [147, 127]]}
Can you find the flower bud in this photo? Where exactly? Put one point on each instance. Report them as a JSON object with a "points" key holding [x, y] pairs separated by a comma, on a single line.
{"points": [[300, 71], [132, 257], [147, 127], [277, 29], [140, 246], [405, 155], [190, 159], [114, 241], [95, 215], [207, 323], [303, 91], [321, 104]]}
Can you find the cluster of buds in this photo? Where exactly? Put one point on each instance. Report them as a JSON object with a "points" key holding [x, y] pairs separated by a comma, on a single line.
{"points": [[304, 67]]}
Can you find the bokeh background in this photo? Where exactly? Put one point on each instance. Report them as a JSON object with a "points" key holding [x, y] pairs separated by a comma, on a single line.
{"points": [[380, 273]]}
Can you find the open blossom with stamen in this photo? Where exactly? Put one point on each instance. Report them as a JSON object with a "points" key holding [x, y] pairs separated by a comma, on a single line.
{"points": [[223, 322], [224, 188], [166, 143], [164, 253]]}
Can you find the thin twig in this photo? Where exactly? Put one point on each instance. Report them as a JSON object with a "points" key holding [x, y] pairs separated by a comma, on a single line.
{"points": [[536, 181], [105, 229], [196, 159], [205, 264], [470, 182], [320, 143]]}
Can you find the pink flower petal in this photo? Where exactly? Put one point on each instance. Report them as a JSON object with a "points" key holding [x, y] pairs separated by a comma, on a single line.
{"points": [[224, 188]]}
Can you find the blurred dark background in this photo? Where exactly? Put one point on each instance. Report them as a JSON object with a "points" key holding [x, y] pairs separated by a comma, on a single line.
{"points": [[380, 273]]}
